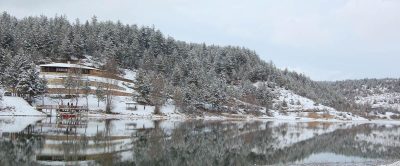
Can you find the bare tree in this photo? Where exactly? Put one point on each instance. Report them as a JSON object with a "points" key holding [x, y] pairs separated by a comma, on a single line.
{"points": [[77, 83], [178, 97], [109, 94], [86, 91], [73, 83], [111, 68], [157, 94]]}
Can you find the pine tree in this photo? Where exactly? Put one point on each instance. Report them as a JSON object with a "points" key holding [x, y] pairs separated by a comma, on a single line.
{"points": [[30, 83], [142, 85], [14, 72], [42, 88], [284, 104], [177, 76], [66, 49], [5, 58]]}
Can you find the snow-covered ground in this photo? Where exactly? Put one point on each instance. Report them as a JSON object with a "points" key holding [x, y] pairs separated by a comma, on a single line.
{"points": [[170, 111], [126, 86], [129, 74], [16, 106], [118, 107]]}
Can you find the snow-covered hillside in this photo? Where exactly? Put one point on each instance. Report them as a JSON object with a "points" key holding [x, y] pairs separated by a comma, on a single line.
{"points": [[296, 102], [384, 100], [16, 106], [288, 105]]}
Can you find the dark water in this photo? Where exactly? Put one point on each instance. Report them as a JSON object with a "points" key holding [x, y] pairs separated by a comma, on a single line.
{"points": [[26, 141]]}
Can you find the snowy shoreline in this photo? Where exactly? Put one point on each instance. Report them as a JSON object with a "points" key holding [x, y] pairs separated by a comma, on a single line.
{"points": [[219, 118], [21, 108]]}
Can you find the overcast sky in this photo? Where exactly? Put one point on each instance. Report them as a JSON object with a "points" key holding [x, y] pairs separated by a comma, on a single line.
{"points": [[325, 39]]}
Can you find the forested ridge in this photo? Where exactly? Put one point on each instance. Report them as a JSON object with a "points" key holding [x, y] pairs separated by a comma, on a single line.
{"points": [[190, 73], [365, 87]]}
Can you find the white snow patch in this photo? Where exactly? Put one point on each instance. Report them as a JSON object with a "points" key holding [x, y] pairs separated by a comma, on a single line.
{"points": [[18, 107], [296, 102], [129, 74]]}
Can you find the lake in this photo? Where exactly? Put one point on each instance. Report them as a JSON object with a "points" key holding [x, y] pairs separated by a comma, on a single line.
{"points": [[53, 141]]}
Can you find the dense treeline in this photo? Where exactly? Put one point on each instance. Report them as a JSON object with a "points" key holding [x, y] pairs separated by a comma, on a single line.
{"points": [[365, 87], [192, 74]]}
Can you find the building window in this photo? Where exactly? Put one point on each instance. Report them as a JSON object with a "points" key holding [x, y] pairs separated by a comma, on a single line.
{"points": [[85, 71], [61, 70]]}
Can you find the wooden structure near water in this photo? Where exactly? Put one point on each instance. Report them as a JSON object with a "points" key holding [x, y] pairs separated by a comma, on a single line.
{"points": [[131, 106], [63, 110]]}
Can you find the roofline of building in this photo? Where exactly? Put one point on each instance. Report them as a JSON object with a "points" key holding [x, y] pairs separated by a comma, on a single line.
{"points": [[68, 65]]}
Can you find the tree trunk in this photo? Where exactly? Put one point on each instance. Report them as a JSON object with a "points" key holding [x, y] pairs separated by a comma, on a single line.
{"points": [[87, 102], [157, 110]]}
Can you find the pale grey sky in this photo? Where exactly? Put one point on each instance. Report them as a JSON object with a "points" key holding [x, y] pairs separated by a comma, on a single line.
{"points": [[325, 39]]}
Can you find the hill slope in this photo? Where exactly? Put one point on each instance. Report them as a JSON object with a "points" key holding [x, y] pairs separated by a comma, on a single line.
{"points": [[195, 76]]}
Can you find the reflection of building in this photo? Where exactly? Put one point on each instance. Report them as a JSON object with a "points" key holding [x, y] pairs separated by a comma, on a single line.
{"points": [[57, 73], [69, 142], [80, 148]]}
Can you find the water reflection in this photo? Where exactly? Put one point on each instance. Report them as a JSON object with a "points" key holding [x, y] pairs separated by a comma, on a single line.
{"points": [[54, 141]]}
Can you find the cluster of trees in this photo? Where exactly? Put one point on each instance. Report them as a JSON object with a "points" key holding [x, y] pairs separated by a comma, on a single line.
{"points": [[18, 73], [195, 75]]}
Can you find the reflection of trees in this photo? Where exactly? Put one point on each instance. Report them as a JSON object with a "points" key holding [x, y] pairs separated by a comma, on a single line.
{"points": [[205, 143], [340, 141], [198, 143], [73, 146], [104, 140], [225, 143], [20, 150]]}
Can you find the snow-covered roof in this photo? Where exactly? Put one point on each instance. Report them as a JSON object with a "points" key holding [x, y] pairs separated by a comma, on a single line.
{"points": [[68, 65], [134, 102]]}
